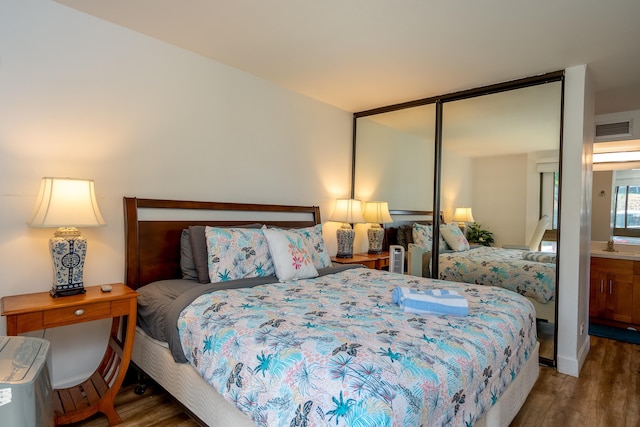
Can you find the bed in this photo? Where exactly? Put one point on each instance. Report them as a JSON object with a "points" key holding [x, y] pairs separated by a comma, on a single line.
{"points": [[531, 274], [326, 350], [507, 268]]}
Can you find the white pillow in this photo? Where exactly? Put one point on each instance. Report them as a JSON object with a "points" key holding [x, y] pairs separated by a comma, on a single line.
{"points": [[454, 237], [291, 258]]}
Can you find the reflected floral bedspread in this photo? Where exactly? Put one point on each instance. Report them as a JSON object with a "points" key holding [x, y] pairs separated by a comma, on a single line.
{"points": [[335, 350], [500, 267]]}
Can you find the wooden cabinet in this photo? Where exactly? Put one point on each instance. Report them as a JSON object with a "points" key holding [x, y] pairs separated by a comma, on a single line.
{"points": [[614, 294], [31, 312], [374, 261]]}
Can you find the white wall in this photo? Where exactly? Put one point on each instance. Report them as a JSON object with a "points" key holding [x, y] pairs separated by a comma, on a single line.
{"points": [[602, 207], [499, 197], [457, 183], [575, 221], [83, 98], [393, 166]]}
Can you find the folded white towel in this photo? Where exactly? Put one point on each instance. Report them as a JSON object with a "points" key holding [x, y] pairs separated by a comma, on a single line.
{"points": [[438, 301]]}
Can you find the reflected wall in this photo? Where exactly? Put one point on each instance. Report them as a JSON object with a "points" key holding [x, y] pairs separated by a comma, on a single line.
{"points": [[394, 158]]}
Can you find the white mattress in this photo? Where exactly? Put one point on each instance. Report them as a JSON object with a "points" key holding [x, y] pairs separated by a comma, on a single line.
{"points": [[184, 384], [545, 311]]}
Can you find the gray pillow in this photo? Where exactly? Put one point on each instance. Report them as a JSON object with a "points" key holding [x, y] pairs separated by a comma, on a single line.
{"points": [[199, 249], [426, 263], [187, 265], [404, 236]]}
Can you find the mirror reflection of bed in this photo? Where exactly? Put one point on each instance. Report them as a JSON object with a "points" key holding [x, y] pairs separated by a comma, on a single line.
{"points": [[499, 156]]}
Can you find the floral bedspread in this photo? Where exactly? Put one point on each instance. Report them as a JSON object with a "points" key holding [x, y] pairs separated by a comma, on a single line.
{"points": [[500, 267], [335, 350]]}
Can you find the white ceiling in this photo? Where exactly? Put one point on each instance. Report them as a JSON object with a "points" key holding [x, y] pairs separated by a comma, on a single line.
{"points": [[362, 54]]}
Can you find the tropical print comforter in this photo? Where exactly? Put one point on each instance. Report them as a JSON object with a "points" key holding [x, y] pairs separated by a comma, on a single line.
{"points": [[336, 351], [500, 267]]}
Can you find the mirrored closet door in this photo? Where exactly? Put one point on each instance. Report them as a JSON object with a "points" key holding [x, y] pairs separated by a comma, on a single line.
{"points": [[495, 150], [501, 156]]}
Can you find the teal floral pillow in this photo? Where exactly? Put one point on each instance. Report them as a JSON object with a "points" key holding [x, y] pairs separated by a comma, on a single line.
{"points": [[422, 236], [235, 253], [290, 255], [312, 237], [454, 237]]}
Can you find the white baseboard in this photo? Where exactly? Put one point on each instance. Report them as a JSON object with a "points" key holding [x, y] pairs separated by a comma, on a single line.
{"points": [[573, 366]]}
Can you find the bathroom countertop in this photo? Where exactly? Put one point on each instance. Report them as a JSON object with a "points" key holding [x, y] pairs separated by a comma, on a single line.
{"points": [[621, 251]]}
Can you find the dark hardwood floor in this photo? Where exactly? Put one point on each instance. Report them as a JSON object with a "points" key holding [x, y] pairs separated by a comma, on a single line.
{"points": [[154, 408], [607, 393]]}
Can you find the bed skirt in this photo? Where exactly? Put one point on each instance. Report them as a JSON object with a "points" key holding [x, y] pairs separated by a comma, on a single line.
{"points": [[187, 387]]}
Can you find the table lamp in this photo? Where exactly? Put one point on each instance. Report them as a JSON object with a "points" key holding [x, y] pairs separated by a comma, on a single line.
{"points": [[346, 211], [376, 213], [67, 203], [463, 216]]}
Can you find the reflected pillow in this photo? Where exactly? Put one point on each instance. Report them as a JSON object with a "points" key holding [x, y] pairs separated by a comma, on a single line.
{"points": [[290, 255], [235, 253], [548, 257], [422, 236], [404, 236], [454, 237]]}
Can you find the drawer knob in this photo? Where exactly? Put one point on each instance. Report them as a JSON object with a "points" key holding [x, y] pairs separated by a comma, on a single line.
{"points": [[79, 312]]}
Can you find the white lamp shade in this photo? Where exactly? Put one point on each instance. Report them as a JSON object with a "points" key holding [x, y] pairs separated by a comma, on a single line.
{"points": [[377, 213], [66, 202], [347, 211], [463, 215]]}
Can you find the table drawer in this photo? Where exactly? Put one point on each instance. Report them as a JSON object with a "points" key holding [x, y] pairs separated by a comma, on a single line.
{"points": [[75, 314]]}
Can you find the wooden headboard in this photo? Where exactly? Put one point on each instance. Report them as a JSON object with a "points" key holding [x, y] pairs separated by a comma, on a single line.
{"points": [[153, 229]]}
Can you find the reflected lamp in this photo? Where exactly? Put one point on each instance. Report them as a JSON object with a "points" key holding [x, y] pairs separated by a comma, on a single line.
{"points": [[376, 213], [463, 216], [67, 203], [346, 211]]}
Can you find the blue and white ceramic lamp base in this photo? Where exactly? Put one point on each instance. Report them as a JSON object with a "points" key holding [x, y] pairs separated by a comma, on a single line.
{"points": [[68, 251], [345, 238], [375, 234]]}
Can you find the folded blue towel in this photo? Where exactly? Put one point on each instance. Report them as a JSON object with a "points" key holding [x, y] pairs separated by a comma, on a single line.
{"points": [[400, 293], [438, 301]]}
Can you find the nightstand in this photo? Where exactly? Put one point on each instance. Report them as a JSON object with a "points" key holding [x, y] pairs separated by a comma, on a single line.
{"points": [[375, 261], [31, 312]]}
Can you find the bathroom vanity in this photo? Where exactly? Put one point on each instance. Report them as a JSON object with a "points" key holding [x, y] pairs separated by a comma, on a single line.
{"points": [[614, 295]]}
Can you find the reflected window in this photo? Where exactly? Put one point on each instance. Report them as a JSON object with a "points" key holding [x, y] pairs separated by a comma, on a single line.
{"points": [[550, 190], [627, 211], [556, 192]]}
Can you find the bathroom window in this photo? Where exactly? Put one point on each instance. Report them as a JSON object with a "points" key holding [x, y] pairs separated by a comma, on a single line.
{"points": [[627, 211]]}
